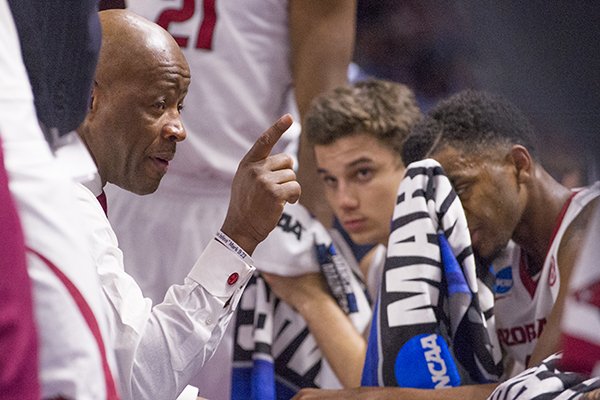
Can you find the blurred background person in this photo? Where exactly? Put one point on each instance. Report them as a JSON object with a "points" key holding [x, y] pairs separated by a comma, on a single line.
{"points": [[49, 69], [19, 378]]}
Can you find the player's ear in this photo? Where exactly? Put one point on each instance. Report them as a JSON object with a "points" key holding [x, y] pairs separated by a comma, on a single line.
{"points": [[522, 162]]}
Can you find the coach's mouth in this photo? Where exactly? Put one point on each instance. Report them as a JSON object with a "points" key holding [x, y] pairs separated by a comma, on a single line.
{"points": [[161, 161]]}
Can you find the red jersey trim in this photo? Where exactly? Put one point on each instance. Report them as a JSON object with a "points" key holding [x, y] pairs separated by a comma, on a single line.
{"points": [[528, 282], [579, 355], [90, 319]]}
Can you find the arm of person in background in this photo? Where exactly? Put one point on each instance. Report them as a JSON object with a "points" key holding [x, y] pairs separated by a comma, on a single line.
{"points": [[322, 41], [472, 392], [570, 247], [339, 341], [345, 348], [594, 395]]}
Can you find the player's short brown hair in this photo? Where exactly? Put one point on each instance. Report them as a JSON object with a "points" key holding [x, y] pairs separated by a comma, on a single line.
{"points": [[383, 109]]}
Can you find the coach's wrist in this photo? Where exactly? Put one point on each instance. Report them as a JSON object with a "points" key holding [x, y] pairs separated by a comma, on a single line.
{"points": [[241, 237]]}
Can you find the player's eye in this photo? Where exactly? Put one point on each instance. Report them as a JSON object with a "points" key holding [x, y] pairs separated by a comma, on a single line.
{"points": [[364, 174], [329, 181], [462, 190]]}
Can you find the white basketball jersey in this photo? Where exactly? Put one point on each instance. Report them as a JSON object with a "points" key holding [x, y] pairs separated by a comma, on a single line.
{"points": [[581, 315], [239, 57], [523, 304]]}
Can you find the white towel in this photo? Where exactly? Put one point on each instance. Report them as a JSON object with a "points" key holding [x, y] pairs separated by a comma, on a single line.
{"points": [[274, 353]]}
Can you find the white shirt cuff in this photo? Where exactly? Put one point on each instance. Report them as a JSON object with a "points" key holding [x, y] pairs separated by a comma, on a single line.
{"points": [[223, 269]]}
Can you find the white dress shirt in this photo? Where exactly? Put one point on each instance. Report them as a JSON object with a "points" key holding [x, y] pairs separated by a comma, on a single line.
{"points": [[159, 349]]}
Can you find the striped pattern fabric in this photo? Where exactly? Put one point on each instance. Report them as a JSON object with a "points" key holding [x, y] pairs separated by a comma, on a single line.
{"points": [[433, 324], [548, 381], [275, 354]]}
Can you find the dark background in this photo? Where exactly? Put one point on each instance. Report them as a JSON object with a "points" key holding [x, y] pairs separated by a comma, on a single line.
{"points": [[544, 56]]}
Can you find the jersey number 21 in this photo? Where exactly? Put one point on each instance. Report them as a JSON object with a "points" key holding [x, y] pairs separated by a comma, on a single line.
{"points": [[186, 12]]}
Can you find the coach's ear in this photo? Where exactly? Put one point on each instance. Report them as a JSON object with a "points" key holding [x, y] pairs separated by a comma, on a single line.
{"points": [[93, 107], [93, 96], [523, 163]]}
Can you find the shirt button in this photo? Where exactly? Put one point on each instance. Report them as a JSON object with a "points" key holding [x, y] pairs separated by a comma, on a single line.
{"points": [[233, 278], [208, 321]]}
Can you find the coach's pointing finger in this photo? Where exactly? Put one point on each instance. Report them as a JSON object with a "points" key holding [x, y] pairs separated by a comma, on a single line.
{"points": [[263, 146], [261, 186]]}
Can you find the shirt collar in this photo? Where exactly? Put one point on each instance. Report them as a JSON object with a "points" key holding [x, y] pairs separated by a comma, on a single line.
{"points": [[94, 185]]}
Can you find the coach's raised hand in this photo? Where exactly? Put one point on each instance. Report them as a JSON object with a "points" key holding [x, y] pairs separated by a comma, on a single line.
{"points": [[261, 186]]}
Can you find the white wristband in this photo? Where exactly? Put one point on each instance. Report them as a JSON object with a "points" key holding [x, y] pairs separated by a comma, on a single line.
{"points": [[231, 245]]}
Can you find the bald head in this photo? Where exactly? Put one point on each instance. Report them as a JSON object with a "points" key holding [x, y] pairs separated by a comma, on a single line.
{"points": [[134, 121], [130, 43]]}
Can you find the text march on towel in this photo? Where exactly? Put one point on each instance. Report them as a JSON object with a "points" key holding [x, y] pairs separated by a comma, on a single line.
{"points": [[433, 323]]}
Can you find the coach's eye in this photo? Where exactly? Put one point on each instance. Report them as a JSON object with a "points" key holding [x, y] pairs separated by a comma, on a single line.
{"points": [[160, 105]]}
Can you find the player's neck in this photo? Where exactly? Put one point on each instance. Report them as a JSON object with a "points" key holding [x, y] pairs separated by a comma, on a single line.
{"points": [[546, 201]]}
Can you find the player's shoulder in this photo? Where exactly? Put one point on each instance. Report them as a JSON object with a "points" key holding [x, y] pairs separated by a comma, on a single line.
{"points": [[575, 234], [587, 207]]}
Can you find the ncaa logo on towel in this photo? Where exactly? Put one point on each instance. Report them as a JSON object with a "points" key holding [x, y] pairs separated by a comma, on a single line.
{"points": [[504, 281], [425, 362]]}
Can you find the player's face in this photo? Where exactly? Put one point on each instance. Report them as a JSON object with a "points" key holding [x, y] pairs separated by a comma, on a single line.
{"points": [[490, 194], [361, 178], [142, 123]]}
